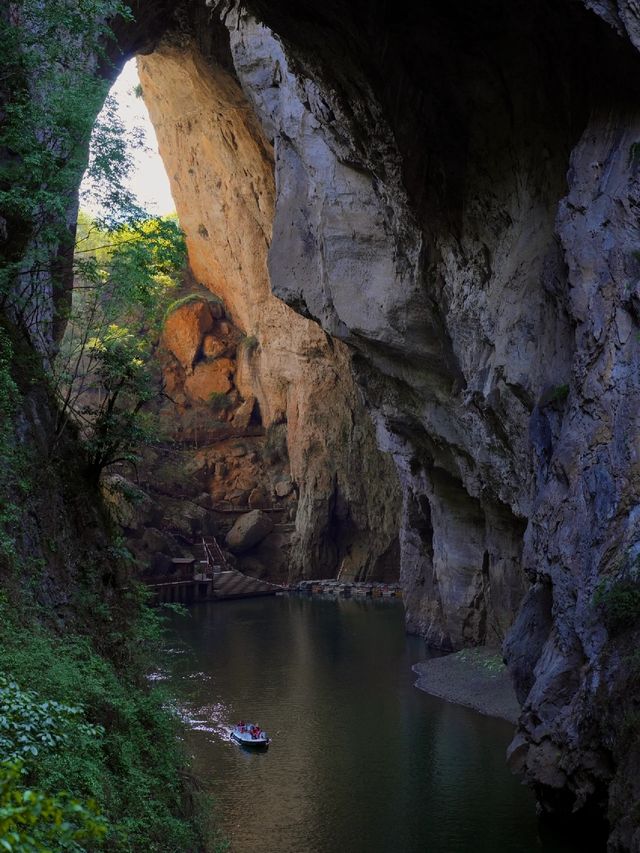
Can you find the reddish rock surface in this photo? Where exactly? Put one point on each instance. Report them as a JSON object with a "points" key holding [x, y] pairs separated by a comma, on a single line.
{"points": [[210, 377], [184, 330]]}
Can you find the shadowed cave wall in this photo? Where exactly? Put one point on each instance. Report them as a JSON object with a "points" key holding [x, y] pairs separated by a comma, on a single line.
{"points": [[451, 194], [454, 197]]}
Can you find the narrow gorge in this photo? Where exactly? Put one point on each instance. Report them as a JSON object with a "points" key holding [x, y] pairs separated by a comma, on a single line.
{"points": [[409, 333]]}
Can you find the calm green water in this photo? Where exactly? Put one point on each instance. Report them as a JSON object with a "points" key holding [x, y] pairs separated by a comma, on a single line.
{"points": [[361, 761]]}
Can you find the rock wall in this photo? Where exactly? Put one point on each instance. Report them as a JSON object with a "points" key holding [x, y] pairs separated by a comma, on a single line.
{"points": [[213, 461], [455, 200], [221, 170], [451, 193]]}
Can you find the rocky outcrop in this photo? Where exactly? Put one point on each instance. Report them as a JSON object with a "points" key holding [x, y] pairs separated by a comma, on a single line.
{"points": [[248, 531], [185, 329], [423, 216], [222, 176], [213, 461]]}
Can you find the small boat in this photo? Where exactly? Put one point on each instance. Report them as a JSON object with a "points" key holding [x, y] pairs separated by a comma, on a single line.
{"points": [[248, 734]]}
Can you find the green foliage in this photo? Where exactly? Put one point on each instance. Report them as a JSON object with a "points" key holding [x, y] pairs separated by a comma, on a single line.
{"points": [[619, 600], [55, 95], [99, 758], [30, 819], [478, 657], [106, 740], [219, 401], [9, 397], [34, 822], [103, 375], [28, 725]]}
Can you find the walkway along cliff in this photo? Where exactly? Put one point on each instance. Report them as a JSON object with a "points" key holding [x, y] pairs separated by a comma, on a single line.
{"points": [[427, 217]]}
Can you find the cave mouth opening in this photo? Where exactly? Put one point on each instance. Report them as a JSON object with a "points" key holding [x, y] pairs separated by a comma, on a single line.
{"points": [[165, 383], [253, 405], [233, 352], [499, 184]]}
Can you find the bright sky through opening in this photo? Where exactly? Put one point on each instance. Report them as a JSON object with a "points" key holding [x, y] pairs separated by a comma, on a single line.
{"points": [[149, 180]]}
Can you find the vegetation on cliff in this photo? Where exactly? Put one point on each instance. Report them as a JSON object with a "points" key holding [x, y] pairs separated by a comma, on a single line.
{"points": [[92, 758], [75, 634], [103, 375]]}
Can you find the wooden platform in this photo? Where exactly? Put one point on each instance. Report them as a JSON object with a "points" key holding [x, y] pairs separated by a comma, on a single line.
{"points": [[221, 586]]}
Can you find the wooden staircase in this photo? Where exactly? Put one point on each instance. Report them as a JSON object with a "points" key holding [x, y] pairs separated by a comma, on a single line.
{"points": [[213, 580], [214, 558]]}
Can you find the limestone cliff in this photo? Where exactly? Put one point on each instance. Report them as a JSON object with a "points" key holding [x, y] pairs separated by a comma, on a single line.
{"points": [[450, 193], [455, 200], [221, 170]]}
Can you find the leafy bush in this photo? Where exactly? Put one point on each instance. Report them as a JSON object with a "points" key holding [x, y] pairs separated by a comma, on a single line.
{"points": [[106, 740], [31, 821], [619, 601], [27, 725]]}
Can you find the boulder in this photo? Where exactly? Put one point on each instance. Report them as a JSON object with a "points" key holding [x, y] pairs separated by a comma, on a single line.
{"points": [[218, 495], [238, 497], [248, 531], [213, 347], [283, 487], [258, 499], [184, 330], [209, 377]]}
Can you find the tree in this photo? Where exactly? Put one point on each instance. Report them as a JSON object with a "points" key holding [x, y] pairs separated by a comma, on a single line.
{"points": [[50, 94], [103, 374], [51, 90]]}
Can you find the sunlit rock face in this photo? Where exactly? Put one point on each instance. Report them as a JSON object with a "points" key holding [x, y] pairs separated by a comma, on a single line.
{"points": [[221, 169], [455, 196]]}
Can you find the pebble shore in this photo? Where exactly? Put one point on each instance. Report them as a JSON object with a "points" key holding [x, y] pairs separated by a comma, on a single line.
{"points": [[475, 678]]}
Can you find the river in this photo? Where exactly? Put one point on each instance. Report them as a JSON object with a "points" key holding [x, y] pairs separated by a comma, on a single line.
{"points": [[361, 761]]}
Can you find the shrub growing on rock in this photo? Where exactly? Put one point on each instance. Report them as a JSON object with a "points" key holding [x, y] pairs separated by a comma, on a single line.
{"points": [[620, 603]]}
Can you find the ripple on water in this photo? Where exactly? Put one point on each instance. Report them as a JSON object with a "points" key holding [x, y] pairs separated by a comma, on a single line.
{"points": [[212, 719]]}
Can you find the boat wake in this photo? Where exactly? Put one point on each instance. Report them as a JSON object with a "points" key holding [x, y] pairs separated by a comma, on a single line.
{"points": [[211, 719]]}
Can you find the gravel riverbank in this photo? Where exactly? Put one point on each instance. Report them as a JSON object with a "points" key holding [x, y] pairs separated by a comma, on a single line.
{"points": [[475, 678]]}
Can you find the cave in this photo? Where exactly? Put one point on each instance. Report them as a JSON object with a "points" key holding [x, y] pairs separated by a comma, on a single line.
{"points": [[426, 216]]}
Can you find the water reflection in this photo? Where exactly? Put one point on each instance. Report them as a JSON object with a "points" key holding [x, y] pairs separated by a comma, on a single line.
{"points": [[361, 761]]}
